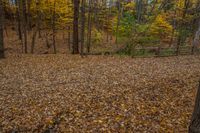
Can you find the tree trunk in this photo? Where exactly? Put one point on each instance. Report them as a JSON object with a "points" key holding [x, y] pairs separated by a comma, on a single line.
{"points": [[36, 29], [82, 26], [69, 38], [75, 28], [25, 25], [89, 28], [118, 21], [1, 30], [195, 121], [19, 19], [39, 18], [54, 27], [196, 39], [29, 14], [139, 4]]}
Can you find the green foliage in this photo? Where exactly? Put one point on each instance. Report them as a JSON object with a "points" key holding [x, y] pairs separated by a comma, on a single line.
{"points": [[148, 40], [97, 36], [125, 25]]}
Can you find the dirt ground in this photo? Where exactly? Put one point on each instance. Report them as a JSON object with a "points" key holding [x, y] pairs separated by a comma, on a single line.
{"points": [[65, 93]]}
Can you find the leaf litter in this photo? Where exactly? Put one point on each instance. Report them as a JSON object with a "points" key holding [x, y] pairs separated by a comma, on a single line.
{"points": [[59, 93]]}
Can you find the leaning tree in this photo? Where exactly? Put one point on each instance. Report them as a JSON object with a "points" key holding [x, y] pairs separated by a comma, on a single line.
{"points": [[195, 121]]}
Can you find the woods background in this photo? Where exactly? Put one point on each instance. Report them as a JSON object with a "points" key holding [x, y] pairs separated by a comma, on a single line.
{"points": [[131, 27]]}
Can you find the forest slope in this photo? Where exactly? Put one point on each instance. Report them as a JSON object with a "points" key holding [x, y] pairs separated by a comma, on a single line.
{"points": [[68, 93]]}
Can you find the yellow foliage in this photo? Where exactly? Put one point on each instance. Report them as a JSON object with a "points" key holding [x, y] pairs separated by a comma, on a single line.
{"points": [[161, 27], [130, 6]]}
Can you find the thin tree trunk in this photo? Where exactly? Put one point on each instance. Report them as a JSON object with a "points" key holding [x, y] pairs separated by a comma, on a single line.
{"points": [[118, 22], [69, 38], [47, 40], [139, 4], [107, 22], [19, 19], [82, 26], [173, 30], [25, 25], [2, 55], [195, 121], [75, 28], [29, 14], [33, 41], [196, 39], [36, 30], [54, 28], [39, 20], [89, 28]]}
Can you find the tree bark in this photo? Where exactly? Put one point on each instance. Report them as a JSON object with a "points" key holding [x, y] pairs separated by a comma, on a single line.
{"points": [[19, 19], [29, 14], [75, 28], [139, 4], [82, 25], [2, 55], [36, 29], [69, 38], [89, 28], [25, 25], [195, 121], [54, 27], [196, 39], [118, 21]]}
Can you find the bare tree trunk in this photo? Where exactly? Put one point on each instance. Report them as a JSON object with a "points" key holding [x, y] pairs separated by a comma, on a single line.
{"points": [[33, 41], [196, 39], [89, 28], [47, 40], [69, 38], [75, 28], [173, 30], [54, 27], [19, 19], [29, 14], [2, 55], [25, 25], [39, 20], [195, 121], [36, 30], [118, 21], [139, 4], [178, 45], [82, 25]]}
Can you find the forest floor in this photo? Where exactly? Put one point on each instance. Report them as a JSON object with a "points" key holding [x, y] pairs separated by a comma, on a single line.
{"points": [[65, 93]]}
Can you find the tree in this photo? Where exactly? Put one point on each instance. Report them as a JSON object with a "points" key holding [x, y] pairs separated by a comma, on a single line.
{"points": [[118, 20], [195, 121], [24, 11], [19, 19], [54, 26], [75, 28], [1, 31], [139, 8], [89, 27], [82, 25], [196, 39], [37, 27]]}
